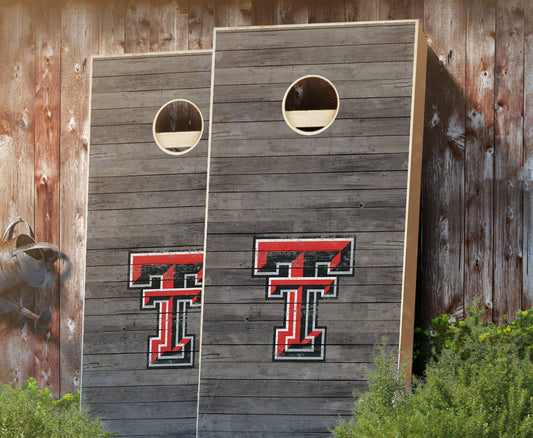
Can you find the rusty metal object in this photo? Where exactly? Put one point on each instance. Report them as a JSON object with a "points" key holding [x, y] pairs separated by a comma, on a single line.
{"points": [[40, 322], [22, 264]]}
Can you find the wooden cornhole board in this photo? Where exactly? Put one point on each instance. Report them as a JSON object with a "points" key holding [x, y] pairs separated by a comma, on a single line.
{"points": [[144, 246], [311, 239]]}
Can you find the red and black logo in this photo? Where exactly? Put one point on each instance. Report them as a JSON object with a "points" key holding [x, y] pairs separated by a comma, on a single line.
{"points": [[171, 282], [302, 271]]}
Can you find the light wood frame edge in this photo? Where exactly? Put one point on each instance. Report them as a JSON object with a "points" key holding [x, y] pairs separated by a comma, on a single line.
{"points": [[313, 25], [106, 56], [414, 181]]}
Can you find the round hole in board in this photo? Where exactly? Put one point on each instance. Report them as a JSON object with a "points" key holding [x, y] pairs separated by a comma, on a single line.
{"points": [[178, 126], [310, 105]]}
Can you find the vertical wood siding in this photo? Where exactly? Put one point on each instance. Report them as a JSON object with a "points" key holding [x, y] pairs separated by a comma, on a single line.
{"points": [[476, 215]]}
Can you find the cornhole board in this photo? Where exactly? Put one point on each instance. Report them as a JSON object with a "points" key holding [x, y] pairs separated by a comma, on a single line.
{"points": [[311, 240], [145, 231]]}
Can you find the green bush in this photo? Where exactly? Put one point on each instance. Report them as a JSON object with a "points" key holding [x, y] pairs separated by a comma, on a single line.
{"points": [[29, 412], [478, 384]]}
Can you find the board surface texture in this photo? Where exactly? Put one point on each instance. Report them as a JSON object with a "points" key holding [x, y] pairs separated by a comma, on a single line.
{"points": [[144, 249], [305, 246]]}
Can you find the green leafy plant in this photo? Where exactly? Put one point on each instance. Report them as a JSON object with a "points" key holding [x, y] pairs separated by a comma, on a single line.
{"points": [[29, 412], [479, 383]]}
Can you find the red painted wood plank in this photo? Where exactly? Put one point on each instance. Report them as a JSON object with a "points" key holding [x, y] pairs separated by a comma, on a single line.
{"points": [[78, 18], [332, 11], [201, 23], [232, 13], [508, 156], [17, 170], [137, 28], [111, 27], [442, 270], [362, 10], [479, 152], [169, 25], [527, 175], [47, 219], [408, 9], [263, 12], [386, 9], [292, 12]]}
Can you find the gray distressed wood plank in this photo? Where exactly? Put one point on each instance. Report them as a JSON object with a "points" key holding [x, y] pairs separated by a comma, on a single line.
{"points": [[106, 201], [144, 323], [139, 151], [104, 167], [116, 343], [142, 99], [151, 393], [223, 354], [248, 294], [238, 277], [157, 166], [321, 371], [308, 37], [130, 304], [186, 234], [308, 164], [310, 55], [392, 126], [300, 388], [161, 427], [243, 259], [146, 183], [364, 108], [335, 220], [247, 183], [303, 182], [140, 236], [142, 114], [301, 146], [175, 410], [141, 65], [266, 434], [367, 241], [257, 424], [263, 148], [128, 320], [261, 332], [316, 199], [334, 72], [118, 134], [155, 81], [328, 312], [371, 88], [276, 405], [280, 130], [167, 215], [139, 377]]}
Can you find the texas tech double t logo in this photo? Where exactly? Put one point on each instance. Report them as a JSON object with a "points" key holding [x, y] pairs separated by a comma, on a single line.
{"points": [[302, 271], [171, 282]]}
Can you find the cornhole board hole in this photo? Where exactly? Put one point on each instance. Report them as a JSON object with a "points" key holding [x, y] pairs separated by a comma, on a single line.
{"points": [[313, 204], [145, 230]]}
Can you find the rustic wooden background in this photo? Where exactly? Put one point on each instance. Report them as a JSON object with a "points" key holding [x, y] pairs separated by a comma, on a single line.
{"points": [[476, 206]]}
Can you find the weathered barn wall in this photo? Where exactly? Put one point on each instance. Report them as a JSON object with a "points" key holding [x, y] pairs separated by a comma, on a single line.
{"points": [[476, 208]]}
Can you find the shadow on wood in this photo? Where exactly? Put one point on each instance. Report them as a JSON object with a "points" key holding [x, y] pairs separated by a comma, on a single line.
{"points": [[442, 203]]}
